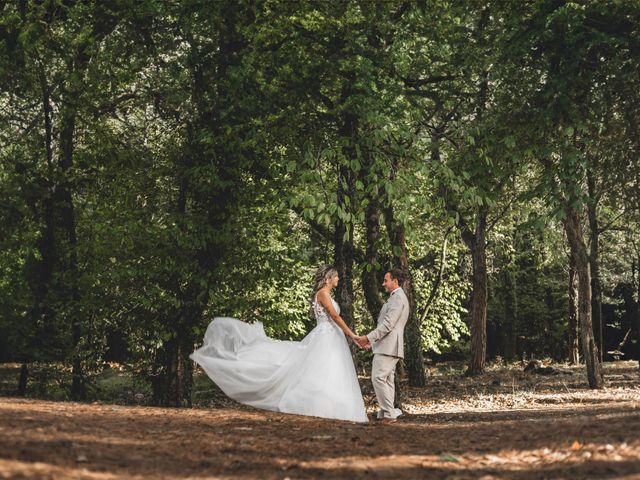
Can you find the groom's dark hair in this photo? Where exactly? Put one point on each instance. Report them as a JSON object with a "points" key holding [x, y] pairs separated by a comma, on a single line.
{"points": [[397, 274]]}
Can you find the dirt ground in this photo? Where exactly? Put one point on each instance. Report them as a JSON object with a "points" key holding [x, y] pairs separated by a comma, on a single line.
{"points": [[506, 424]]}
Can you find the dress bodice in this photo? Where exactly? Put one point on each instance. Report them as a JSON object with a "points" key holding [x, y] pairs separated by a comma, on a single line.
{"points": [[321, 313]]}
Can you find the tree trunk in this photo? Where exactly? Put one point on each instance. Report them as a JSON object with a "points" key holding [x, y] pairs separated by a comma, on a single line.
{"points": [[414, 359], [343, 241], [68, 244], [550, 347], [59, 244], [477, 244], [435, 158], [573, 333], [343, 261], [511, 300], [438, 281], [173, 379], [573, 229], [211, 207], [594, 260], [41, 272], [510, 313], [173, 383], [22, 381], [179, 375], [371, 278]]}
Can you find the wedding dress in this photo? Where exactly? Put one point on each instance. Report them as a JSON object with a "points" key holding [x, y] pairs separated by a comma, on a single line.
{"points": [[314, 376]]}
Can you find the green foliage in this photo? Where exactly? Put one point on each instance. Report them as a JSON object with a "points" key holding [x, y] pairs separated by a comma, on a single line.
{"points": [[217, 148]]}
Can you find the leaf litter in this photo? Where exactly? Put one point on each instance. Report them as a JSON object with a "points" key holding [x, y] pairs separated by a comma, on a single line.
{"points": [[504, 424]]}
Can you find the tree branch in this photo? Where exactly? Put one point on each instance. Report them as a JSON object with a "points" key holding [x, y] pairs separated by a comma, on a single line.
{"points": [[419, 82], [325, 233], [609, 225], [438, 282]]}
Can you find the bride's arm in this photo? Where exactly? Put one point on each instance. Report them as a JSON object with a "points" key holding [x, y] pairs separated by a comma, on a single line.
{"points": [[325, 301]]}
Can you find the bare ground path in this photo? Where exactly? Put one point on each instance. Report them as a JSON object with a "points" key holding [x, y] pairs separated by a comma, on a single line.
{"points": [[503, 425]]}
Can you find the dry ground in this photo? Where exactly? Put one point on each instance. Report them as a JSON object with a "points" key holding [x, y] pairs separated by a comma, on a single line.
{"points": [[506, 424]]}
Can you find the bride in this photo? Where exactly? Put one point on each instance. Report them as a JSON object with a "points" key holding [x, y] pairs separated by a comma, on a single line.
{"points": [[315, 376]]}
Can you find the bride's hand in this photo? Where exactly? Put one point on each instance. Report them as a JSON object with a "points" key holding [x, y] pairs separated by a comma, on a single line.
{"points": [[356, 339]]}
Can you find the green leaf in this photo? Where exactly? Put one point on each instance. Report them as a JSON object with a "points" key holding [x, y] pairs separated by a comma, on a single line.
{"points": [[448, 457]]}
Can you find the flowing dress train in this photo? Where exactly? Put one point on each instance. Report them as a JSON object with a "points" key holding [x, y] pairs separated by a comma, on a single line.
{"points": [[315, 376]]}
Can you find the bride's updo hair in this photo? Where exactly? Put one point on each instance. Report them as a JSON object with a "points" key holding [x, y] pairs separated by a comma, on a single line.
{"points": [[320, 278]]}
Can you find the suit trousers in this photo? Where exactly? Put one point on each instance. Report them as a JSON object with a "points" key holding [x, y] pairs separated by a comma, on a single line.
{"points": [[383, 372]]}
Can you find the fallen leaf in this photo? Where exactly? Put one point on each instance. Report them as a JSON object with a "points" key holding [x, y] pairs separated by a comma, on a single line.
{"points": [[447, 457]]}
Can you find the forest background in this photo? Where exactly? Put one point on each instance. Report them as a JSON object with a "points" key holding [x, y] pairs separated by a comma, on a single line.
{"points": [[165, 162]]}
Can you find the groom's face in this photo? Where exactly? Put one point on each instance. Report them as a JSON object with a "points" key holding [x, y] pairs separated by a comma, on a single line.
{"points": [[389, 284]]}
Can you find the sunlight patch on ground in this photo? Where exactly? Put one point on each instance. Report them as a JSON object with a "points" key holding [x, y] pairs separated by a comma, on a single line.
{"points": [[39, 470], [570, 456]]}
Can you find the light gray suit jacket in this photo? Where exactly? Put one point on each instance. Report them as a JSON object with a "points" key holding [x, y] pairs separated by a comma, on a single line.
{"points": [[388, 337]]}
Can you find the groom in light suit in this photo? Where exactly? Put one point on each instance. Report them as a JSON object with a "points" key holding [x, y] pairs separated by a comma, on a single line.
{"points": [[387, 343]]}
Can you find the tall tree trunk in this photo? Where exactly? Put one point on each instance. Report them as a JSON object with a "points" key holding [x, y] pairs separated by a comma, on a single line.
{"points": [[573, 333], [414, 358], [478, 247], [477, 243], [173, 370], [212, 208], [46, 245], [573, 229], [41, 273], [371, 278], [510, 313], [343, 241], [66, 239], [59, 243], [69, 244], [343, 261], [594, 260], [511, 299]]}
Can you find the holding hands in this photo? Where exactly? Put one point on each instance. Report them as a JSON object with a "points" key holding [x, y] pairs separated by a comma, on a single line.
{"points": [[362, 341]]}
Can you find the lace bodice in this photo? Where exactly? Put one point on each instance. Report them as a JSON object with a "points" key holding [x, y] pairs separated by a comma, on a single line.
{"points": [[321, 314]]}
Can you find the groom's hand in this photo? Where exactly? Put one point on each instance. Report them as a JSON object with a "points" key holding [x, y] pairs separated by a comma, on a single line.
{"points": [[358, 341], [363, 342]]}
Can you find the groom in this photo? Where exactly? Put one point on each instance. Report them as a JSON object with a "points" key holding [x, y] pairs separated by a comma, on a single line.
{"points": [[387, 343]]}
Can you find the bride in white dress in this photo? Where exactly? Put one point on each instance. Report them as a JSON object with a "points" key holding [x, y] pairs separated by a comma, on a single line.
{"points": [[315, 376]]}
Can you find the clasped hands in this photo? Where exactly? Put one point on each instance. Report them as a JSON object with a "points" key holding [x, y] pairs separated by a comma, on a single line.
{"points": [[362, 341]]}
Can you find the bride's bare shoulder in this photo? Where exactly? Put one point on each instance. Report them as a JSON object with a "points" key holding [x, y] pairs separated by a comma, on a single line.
{"points": [[323, 294], [323, 297]]}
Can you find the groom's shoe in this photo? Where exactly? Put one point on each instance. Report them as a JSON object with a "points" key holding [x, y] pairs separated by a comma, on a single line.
{"points": [[387, 421]]}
